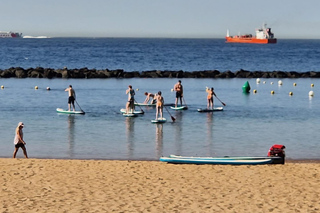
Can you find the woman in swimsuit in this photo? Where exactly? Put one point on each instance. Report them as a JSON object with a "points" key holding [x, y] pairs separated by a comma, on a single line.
{"points": [[210, 97], [160, 102]]}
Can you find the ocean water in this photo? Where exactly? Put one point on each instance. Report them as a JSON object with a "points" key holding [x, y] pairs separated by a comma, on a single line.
{"points": [[249, 125]]}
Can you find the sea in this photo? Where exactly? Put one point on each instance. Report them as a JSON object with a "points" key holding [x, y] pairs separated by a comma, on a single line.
{"points": [[248, 125]]}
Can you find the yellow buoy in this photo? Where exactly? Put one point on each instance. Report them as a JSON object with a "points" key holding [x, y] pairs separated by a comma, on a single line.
{"points": [[290, 93], [312, 85], [2, 87], [294, 84], [272, 92], [255, 91], [36, 87]]}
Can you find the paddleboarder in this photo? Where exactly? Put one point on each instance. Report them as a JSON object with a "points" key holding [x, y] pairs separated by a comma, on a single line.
{"points": [[160, 103], [149, 95], [179, 92], [72, 97], [210, 97], [130, 103], [18, 141]]}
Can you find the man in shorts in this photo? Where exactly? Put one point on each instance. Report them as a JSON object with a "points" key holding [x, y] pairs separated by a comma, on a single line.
{"points": [[179, 92], [72, 97]]}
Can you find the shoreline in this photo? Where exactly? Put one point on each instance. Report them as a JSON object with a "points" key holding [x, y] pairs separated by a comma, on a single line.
{"points": [[30, 185], [86, 73]]}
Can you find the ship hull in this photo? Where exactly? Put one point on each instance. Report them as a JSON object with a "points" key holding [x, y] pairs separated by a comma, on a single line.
{"points": [[251, 40]]}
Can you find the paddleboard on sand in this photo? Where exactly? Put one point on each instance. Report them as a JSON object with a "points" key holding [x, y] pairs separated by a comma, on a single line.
{"points": [[129, 115], [59, 110], [179, 108], [159, 120], [211, 110], [134, 112]]}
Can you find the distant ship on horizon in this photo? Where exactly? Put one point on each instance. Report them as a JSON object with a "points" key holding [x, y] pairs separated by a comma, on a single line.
{"points": [[10, 34], [263, 36]]}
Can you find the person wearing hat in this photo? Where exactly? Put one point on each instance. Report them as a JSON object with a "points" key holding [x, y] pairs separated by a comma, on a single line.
{"points": [[18, 141], [72, 97], [160, 103]]}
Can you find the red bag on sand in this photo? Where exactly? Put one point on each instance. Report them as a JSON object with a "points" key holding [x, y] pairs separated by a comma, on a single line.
{"points": [[277, 150]]}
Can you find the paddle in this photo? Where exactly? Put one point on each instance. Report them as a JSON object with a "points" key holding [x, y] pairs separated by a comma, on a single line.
{"points": [[79, 106], [221, 101], [184, 102], [139, 106], [173, 118]]}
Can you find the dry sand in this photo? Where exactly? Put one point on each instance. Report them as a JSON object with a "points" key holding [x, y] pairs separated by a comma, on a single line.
{"points": [[40, 185]]}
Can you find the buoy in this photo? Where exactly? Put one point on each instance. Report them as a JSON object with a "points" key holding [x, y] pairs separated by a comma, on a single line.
{"points": [[48, 88], [36, 87], [290, 93], [294, 84], [254, 91], [312, 85], [171, 90], [2, 87], [264, 82], [258, 81], [279, 82], [137, 89], [311, 93], [272, 92], [246, 87], [271, 82]]}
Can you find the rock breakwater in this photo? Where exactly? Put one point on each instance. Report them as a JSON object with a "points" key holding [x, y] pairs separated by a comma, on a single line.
{"points": [[40, 72]]}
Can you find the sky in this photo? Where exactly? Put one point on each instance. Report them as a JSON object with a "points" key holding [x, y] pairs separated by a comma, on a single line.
{"points": [[160, 18]]}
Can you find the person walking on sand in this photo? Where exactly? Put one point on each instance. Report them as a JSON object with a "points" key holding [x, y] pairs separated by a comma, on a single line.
{"points": [[130, 103], [179, 92], [210, 97], [149, 95], [18, 141], [72, 97], [160, 103]]}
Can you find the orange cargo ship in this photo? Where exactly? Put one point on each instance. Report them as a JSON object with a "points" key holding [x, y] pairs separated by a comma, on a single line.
{"points": [[263, 36]]}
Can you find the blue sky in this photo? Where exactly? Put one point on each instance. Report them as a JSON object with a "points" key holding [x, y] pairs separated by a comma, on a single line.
{"points": [[160, 18]]}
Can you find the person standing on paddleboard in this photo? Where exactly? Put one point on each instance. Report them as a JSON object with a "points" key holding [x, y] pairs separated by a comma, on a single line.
{"points": [[160, 103], [130, 103], [18, 141], [179, 92], [210, 97], [72, 97]]}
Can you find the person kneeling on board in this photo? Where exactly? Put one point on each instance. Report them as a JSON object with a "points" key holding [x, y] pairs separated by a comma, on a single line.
{"points": [[149, 95], [160, 103]]}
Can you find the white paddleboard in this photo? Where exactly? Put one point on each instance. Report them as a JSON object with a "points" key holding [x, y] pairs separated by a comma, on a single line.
{"points": [[159, 120], [211, 110], [60, 110], [134, 112], [129, 115], [179, 108]]}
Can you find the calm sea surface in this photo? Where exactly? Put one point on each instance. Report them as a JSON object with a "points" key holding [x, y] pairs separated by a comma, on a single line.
{"points": [[249, 125]]}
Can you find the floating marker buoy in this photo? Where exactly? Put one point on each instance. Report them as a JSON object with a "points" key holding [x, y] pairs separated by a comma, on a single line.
{"points": [[137, 89], [294, 84], [311, 93], [2, 87], [36, 87], [271, 82], [279, 82], [272, 92], [290, 93], [312, 85], [246, 87], [48, 88], [258, 81], [254, 91], [171, 90], [264, 82]]}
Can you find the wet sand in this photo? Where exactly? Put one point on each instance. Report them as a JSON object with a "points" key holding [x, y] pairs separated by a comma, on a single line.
{"points": [[48, 185]]}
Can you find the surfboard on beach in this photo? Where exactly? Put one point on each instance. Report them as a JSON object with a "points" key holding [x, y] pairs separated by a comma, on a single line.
{"points": [[210, 110], [179, 108], [159, 120], [134, 112], [60, 110]]}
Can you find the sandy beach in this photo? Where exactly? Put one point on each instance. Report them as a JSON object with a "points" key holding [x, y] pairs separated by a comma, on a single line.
{"points": [[48, 185]]}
